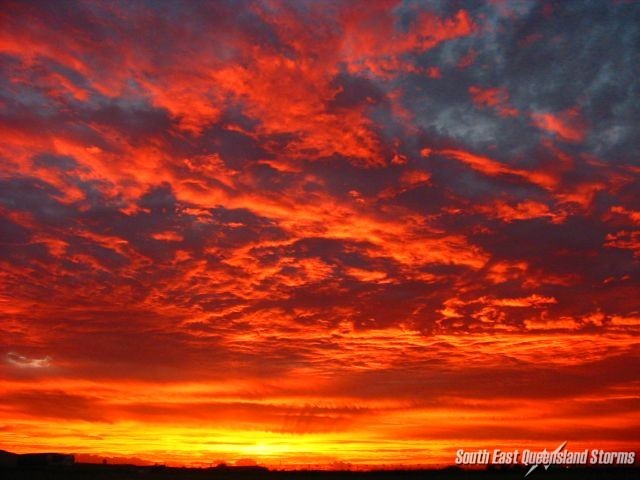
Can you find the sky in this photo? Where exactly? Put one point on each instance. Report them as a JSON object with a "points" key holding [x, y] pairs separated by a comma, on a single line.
{"points": [[318, 232]]}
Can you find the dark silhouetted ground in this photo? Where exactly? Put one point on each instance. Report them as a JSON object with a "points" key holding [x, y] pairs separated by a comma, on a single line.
{"points": [[127, 472]]}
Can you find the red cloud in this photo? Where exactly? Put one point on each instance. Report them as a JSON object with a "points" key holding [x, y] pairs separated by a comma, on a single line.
{"points": [[568, 125], [496, 98]]}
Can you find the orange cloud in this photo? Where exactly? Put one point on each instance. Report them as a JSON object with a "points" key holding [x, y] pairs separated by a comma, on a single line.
{"points": [[492, 167], [522, 211], [568, 124]]}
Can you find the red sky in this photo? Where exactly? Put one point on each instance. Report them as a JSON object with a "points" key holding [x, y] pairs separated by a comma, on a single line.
{"points": [[311, 232]]}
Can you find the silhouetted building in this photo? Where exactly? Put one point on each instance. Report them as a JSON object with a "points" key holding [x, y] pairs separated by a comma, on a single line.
{"points": [[241, 468], [45, 460]]}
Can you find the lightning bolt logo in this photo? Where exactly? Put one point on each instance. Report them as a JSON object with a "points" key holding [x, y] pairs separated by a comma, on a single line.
{"points": [[557, 450]]}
